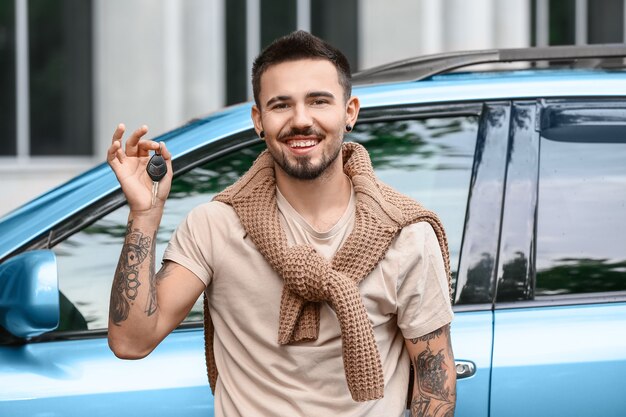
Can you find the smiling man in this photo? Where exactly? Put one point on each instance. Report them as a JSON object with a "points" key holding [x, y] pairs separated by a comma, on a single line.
{"points": [[322, 285]]}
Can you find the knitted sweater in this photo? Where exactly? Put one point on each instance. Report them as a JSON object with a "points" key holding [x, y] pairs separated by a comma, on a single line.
{"points": [[309, 279]]}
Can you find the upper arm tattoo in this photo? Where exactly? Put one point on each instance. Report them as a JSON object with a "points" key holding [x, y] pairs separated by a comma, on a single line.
{"points": [[427, 337], [155, 280], [433, 396]]}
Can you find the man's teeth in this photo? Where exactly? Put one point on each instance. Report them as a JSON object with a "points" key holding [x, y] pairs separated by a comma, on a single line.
{"points": [[302, 143]]}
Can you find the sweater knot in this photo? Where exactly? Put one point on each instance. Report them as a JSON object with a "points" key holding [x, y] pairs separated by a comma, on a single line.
{"points": [[306, 273]]}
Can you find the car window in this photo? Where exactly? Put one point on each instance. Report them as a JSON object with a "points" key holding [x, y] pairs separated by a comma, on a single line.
{"points": [[430, 160], [87, 260], [581, 224]]}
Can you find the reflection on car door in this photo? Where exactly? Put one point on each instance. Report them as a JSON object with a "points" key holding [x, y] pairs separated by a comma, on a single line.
{"points": [[560, 318]]}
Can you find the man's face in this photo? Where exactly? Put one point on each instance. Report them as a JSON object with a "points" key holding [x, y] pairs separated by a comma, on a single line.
{"points": [[303, 113]]}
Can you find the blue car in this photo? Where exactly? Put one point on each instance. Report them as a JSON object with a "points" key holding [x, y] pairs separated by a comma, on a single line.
{"points": [[526, 168]]}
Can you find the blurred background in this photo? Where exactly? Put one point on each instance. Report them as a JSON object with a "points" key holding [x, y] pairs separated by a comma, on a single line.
{"points": [[70, 70]]}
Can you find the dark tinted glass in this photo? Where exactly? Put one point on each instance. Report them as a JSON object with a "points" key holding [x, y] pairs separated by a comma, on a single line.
{"points": [[237, 77], [581, 232], [562, 15], [337, 23], [278, 18], [60, 77], [8, 140], [606, 21]]}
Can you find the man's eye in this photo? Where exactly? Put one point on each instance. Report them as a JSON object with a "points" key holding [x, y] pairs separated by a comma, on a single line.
{"points": [[320, 102], [280, 106]]}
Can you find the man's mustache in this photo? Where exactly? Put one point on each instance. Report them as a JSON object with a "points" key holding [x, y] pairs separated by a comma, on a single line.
{"points": [[309, 131]]}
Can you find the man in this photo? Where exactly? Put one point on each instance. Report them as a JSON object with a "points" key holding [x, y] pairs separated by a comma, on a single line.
{"points": [[321, 283]]}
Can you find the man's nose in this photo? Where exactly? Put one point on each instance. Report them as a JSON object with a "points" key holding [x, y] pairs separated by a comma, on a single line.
{"points": [[301, 116]]}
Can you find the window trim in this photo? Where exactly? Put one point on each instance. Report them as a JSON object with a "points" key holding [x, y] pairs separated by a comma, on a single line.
{"points": [[522, 166], [565, 300]]}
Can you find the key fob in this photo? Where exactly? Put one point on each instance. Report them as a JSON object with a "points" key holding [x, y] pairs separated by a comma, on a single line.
{"points": [[156, 167]]}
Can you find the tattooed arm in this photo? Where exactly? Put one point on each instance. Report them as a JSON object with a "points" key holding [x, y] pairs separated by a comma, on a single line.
{"points": [[434, 385], [145, 306]]}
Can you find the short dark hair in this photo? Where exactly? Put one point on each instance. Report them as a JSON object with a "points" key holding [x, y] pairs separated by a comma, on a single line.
{"points": [[300, 45]]}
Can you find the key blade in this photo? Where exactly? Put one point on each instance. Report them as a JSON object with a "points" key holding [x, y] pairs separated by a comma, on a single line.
{"points": [[155, 190]]}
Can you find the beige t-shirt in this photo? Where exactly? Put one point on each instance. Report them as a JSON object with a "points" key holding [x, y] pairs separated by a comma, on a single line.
{"points": [[406, 296]]}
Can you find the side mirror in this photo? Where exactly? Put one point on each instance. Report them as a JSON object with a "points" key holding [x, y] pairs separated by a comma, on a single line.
{"points": [[29, 294]]}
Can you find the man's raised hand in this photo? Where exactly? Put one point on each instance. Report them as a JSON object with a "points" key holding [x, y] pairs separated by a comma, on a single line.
{"points": [[129, 164]]}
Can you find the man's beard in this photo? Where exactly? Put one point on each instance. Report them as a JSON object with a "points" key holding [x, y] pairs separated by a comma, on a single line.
{"points": [[300, 167]]}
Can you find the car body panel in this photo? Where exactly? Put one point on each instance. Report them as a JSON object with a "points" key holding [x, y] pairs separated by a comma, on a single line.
{"points": [[77, 377], [566, 360], [472, 341]]}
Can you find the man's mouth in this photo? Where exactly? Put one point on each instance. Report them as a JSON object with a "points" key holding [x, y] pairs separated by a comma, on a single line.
{"points": [[300, 143]]}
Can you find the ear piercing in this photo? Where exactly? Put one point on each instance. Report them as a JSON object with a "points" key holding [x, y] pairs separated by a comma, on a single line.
{"points": [[348, 128]]}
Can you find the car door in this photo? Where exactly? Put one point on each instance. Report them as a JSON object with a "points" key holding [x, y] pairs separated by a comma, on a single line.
{"points": [[71, 371], [560, 317], [451, 158]]}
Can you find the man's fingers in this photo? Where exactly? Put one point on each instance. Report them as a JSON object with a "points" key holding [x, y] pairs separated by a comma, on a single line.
{"points": [[145, 146], [119, 132], [112, 151], [115, 155], [135, 145], [132, 148], [165, 152], [120, 154], [167, 156]]}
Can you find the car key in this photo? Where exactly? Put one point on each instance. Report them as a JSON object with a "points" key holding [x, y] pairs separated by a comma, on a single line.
{"points": [[156, 170]]}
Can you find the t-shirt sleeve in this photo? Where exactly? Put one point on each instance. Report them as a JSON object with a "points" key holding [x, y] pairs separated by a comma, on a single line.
{"points": [[423, 294], [192, 245]]}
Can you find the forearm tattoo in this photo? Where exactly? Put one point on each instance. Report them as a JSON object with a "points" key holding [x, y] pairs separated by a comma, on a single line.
{"points": [[432, 395], [126, 283], [151, 306]]}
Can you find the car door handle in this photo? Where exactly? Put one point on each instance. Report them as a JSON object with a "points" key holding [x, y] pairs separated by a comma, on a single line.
{"points": [[464, 369]]}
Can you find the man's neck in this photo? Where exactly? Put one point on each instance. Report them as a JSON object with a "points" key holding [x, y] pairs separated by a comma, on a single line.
{"points": [[322, 201]]}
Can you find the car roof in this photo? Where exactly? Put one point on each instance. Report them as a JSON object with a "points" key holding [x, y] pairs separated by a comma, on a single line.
{"points": [[422, 67], [519, 84], [41, 214]]}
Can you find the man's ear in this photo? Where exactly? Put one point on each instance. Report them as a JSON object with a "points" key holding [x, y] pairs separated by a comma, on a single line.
{"points": [[352, 110], [256, 119]]}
